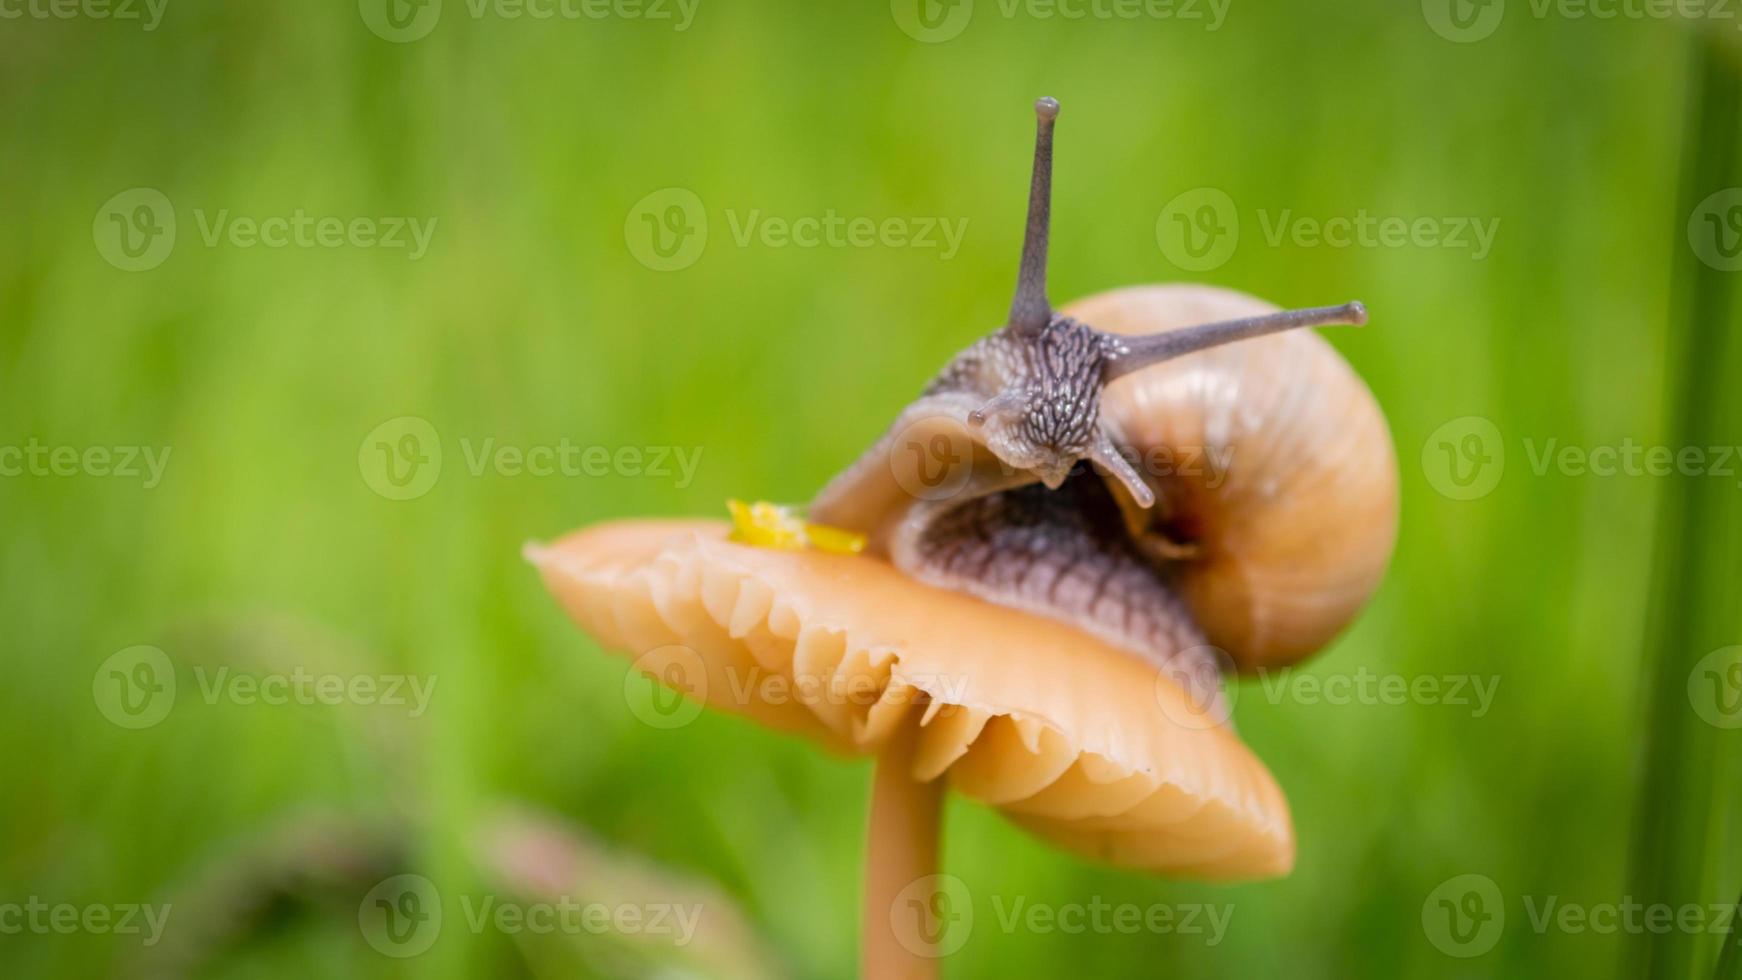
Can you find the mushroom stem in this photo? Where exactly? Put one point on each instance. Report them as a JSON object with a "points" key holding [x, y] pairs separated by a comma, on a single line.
{"points": [[900, 930]]}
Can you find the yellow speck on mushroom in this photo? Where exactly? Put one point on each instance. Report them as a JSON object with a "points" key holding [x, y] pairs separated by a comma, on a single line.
{"points": [[766, 525]]}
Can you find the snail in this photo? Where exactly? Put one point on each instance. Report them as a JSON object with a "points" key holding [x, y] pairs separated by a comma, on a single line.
{"points": [[1082, 523], [1180, 471]]}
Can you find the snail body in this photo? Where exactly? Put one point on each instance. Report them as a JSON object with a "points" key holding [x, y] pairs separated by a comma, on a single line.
{"points": [[1123, 465], [1117, 477]]}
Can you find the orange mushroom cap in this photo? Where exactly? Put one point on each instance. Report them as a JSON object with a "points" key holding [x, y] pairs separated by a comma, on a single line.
{"points": [[1081, 743]]}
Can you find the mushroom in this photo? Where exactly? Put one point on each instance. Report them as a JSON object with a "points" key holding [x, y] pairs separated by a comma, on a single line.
{"points": [[1006, 596], [1075, 740]]}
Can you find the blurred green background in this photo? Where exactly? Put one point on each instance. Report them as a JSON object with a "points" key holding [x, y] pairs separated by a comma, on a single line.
{"points": [[271, 543]]}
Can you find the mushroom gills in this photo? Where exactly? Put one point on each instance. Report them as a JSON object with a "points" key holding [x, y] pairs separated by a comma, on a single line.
{"points": [[1066, 554]]}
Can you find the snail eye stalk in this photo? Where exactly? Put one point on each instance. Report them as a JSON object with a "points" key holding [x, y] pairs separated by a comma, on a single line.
{"points": [[1004, 403], [1029, 311], [1134, 353]]}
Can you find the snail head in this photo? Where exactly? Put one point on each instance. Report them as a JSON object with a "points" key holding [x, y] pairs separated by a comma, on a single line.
{"points": [[1049, 370]]}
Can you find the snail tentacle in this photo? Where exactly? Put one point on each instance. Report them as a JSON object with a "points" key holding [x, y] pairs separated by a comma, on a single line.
{"points": [[1030, 311], [1108, 457], [1135, 353]]}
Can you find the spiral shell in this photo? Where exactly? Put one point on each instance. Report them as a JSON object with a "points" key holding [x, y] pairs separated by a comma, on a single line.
{"points": [[1290, 512]]}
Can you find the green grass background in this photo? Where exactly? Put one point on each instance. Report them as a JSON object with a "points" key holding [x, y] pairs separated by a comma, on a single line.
{"points": [[530, 321]]}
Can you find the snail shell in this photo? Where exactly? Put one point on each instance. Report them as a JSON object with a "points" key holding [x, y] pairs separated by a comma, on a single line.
{"points": [[1174, 469], [1274, 477], [1290, 534]]}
